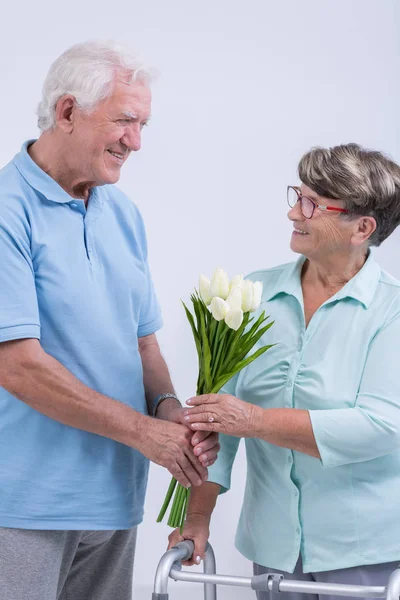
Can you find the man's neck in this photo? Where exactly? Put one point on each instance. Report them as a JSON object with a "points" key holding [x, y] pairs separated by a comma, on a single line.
{"points": [[48, 154]]}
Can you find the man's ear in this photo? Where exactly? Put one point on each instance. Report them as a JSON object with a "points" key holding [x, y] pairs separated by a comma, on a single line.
{"points": [[65, 113], [364, 229]]}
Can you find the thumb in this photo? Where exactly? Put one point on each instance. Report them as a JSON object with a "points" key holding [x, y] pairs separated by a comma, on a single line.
{"points": [[199, 549]]}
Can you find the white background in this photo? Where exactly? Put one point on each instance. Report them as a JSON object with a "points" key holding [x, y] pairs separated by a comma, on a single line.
{"points": [[245, 88]]}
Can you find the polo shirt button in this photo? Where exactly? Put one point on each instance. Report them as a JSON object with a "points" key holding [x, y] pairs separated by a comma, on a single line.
{"points": [[289, 383], [299, 346], [73, 205], [298, 530], [289, 459]]}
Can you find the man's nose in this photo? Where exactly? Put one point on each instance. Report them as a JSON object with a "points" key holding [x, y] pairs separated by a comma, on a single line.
{"points": [[132, 138]]}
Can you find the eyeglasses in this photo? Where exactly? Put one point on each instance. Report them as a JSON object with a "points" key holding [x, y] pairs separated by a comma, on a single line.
{"points": [[307, 205]]}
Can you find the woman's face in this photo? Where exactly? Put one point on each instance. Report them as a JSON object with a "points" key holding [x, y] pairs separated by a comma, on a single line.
{"points": [[326, 232]]}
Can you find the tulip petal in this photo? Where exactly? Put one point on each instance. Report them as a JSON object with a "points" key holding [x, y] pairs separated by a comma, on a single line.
{"points": [[257, 293], [219, 308], [204, 288], [235, 299], [234, 319], [247, 295], [236, 281], [219, 284]]}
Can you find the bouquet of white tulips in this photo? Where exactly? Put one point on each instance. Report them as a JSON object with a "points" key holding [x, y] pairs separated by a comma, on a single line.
{"points": [[224, 338]]}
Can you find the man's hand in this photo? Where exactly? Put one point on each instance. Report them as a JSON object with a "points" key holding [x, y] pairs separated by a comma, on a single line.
{"points": [[170, 445], [205, 444]]}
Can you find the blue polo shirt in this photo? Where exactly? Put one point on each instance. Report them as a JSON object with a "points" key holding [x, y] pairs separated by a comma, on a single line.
{"points": [[78, 280], [342, 510]]}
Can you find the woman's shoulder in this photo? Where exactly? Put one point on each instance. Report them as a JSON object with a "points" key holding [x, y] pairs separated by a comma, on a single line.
{"points": [[387, 279], [271, 274]]}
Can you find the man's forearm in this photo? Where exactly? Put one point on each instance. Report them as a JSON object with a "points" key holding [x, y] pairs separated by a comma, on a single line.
{"points": [[39, 380], [202, 500], [156, 377]]}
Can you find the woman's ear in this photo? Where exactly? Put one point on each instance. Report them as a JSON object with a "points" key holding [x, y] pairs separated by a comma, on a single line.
{"points": [[365, 227]]}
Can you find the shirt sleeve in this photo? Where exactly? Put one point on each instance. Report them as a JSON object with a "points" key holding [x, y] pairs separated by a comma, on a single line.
{"points": [[372, 427], [19, 313], [150, 319], [220, 472]]}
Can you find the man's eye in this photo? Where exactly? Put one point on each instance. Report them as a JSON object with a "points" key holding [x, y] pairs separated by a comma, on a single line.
{"points": [[144, 125]]}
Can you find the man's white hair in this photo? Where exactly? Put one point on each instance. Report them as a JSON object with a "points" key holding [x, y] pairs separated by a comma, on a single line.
{"points": [[87, 71]]}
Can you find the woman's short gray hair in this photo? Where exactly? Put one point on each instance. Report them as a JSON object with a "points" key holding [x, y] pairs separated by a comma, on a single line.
{"points": [[367, 181], [87, 72]]}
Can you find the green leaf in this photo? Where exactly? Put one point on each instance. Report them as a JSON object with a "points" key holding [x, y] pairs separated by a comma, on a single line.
{"points": [[244, 349], [206, 354], [194, 330], [239, 366]]}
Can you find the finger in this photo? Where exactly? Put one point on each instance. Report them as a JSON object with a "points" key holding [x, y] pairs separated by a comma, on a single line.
{"points": [[206, 427], [198, 466], [180, 416], [210, 442], [179, 475], [209, 415], [196, 474], [199, 437], [174, 538], [199, 549], [204, 398], [211, 454]]}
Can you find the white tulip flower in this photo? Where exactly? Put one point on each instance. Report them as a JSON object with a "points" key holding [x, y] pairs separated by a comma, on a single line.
{"points": [[257, 292], [247, 295], [219, 284], [235, 299], [236, 281], [234, 319], [219, 308], [204, 288]]}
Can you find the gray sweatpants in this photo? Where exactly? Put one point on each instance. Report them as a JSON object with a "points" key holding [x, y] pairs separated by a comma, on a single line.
{"points": [[66, 565], [364, 575]]}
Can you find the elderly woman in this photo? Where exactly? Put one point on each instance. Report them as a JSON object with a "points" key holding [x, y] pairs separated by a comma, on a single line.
{"points": [[320, 412]]}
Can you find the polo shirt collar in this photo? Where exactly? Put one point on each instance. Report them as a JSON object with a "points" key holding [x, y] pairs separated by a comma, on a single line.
{"points": [[361, 287], [39, 179]]}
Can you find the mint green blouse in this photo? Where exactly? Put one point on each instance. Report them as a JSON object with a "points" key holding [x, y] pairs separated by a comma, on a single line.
{"points": [[341, 510]]}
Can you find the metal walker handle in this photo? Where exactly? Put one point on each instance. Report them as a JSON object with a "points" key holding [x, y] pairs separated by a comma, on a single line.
{"points": [[170, 566]]}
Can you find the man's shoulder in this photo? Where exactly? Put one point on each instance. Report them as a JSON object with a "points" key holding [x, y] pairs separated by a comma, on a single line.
{"points": [[14, 196]]}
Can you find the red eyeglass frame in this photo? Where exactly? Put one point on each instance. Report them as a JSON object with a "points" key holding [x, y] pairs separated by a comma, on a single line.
{"points": [[315, 204]]}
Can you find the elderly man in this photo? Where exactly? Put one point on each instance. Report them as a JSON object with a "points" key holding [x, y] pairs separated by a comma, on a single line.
{"points": [[85, 398]]}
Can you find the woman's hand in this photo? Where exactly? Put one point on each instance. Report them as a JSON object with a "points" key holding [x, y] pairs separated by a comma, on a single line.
{"points": [[197, 529], [222, 413]]}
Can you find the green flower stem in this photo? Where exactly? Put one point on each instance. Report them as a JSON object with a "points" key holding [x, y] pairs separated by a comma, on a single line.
{"points": [[176, 507], [167, 500]]}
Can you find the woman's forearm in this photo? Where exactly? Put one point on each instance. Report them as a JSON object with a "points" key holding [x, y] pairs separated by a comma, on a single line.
{"points": [[202, 499], [286, 427]]}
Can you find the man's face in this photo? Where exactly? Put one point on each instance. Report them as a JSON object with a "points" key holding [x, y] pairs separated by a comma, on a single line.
{"points": [[103, 140]]}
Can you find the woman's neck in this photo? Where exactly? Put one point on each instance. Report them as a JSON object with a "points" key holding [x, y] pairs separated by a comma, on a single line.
{"points": [[333, 273]]}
